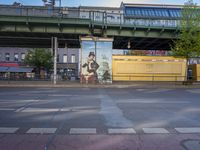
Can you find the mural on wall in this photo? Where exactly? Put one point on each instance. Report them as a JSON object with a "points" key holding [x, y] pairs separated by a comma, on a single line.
{"points": [[96, 60], [104, 53]]}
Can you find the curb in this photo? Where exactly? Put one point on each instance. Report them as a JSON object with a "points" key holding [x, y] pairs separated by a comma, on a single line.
{"points": [[146, 86]]}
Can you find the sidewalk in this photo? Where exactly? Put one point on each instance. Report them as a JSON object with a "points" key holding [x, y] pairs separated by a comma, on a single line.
{"points": [[77, 84], [100, 142]]}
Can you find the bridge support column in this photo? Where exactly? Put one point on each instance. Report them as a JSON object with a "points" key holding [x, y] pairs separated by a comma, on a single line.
{"points": [[54, 46]]}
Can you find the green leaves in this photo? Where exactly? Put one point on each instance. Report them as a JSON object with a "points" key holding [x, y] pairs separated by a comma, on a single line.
{"points": [[188, 44], [39, 57]]}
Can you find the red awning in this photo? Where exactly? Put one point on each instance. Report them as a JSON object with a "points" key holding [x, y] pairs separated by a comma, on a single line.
{"points": [[9, 64]]}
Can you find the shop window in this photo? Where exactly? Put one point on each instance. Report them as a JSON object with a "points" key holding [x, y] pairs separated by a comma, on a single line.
{"points": [[22, 56], [7, 57], [64, 58], [16, 57], [58, 59], [73, 58]]}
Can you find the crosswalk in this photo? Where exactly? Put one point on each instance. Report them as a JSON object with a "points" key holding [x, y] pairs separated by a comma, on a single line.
{"points": [[109, 131]]}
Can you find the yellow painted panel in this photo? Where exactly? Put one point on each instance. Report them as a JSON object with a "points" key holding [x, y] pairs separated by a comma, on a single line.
{"points": [[148, 68], [195, 71]]}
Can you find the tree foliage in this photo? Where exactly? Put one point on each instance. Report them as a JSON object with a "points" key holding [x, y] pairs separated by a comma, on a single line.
{"points": [[39, 58], [188, 44]]}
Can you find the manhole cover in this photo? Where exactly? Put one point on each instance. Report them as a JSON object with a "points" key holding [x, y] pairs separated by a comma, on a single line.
{"points": [[191, 144]]}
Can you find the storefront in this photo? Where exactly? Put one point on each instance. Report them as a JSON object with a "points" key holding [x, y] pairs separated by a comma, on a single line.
{"points": [[67, 71], [16, 73]]}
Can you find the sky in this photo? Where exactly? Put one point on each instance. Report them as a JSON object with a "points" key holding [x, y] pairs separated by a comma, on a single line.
{"points": [[107, 3]]}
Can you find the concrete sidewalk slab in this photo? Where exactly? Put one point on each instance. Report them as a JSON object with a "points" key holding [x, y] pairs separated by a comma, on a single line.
{"points": [[99, 142], [115, 84]]}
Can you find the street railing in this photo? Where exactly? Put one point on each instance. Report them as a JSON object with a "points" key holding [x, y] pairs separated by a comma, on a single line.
{"points": [[130, 79], [34, 77], [103, 18]]}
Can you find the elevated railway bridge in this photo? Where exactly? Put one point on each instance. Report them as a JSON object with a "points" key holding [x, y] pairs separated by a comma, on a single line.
{"points": [[139, 26]]}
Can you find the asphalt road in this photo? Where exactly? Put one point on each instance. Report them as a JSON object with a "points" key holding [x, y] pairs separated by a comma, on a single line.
{"points": [[87, 118]]}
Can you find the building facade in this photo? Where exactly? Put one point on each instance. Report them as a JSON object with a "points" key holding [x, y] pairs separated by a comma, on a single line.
{"points": [[67, 60]]}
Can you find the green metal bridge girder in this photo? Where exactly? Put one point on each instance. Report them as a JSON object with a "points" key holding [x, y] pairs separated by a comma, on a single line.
{"points": [[55, 25]]}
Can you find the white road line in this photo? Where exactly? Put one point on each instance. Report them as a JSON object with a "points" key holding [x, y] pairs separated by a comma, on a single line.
{"points": [[140, 90], [155, 130], [20, 109], [151, 101], [8, 130], [7, 109], [42, 130], [38, 110], [66, 109], [83, 131], [195, 91], [62, 95], [188, 130], [121, 131], [17, 101]]}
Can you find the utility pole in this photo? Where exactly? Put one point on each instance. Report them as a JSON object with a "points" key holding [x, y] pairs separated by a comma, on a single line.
{"points": [[54, 46]]}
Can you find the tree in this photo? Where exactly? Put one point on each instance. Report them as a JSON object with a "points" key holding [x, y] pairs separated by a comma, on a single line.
{"points": [[188, 44], [39, 58]]}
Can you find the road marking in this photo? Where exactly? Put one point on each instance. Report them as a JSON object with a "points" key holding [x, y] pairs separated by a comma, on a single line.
{"points": [[146, 101], [7, 109], [42, 130], [188, 130], [195, 91], [8, 130], [40, 110], [44, 110], [140, 90], [155, 130], [20, 109], [61, 95], [18, 101], [83, 131], [66, 109], [121, 131]]}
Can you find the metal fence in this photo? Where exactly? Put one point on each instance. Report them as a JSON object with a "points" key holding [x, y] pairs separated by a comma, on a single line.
{"points": [[34, 77], [130, 79], [93, 16]]}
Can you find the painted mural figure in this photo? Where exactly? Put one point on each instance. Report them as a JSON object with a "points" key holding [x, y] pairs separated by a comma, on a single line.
{"points": [[90, 71]]}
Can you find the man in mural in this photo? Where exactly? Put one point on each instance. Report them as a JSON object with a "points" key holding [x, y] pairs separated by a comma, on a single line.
{"points": [[89, 73]]}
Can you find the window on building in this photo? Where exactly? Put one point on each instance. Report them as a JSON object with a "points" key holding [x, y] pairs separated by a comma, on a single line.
{"points": [[7, 56], [73, 58], [0, 56], [64, 58], [58, 59], [22, 56], [175, 13], [16, 57]]}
